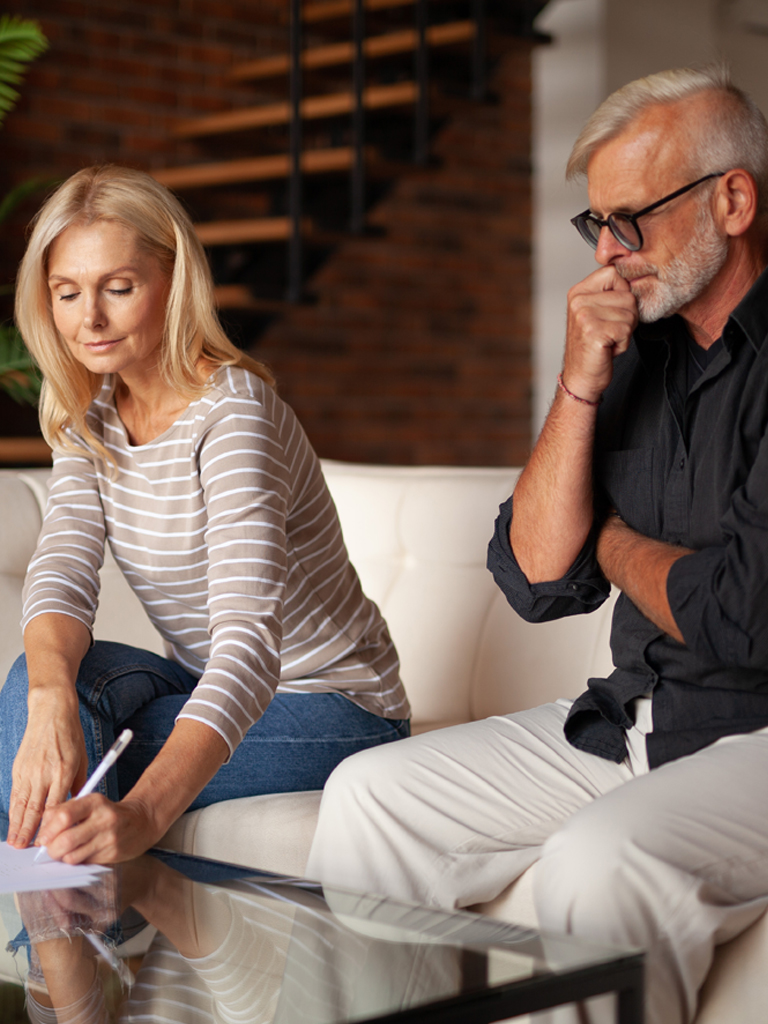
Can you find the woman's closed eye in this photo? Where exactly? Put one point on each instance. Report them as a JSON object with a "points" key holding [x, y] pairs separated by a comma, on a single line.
{"points": [[69, 296]]}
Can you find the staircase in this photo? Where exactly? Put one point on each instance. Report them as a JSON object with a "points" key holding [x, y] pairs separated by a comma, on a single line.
{"points": [[339, 115]]}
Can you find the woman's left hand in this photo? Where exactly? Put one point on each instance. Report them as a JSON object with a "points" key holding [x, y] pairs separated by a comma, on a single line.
{"points": [[94, 830]]}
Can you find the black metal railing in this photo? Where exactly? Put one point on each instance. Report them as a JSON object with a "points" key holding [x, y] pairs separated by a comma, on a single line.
{"points": [[295, 247], [420, 126], [357, 197]]}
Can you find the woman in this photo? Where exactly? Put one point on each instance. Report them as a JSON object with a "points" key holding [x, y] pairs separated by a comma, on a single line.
{"points": [[173, 446]]}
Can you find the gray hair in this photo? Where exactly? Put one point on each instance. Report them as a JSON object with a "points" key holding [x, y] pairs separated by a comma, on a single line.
{"points": [[733, 132]]}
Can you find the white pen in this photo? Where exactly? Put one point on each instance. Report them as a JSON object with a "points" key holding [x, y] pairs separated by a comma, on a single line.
{"points": [[108, 760]]}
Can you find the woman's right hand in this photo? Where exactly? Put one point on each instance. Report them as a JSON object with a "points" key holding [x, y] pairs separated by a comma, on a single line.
{"points": [[51, 762]]}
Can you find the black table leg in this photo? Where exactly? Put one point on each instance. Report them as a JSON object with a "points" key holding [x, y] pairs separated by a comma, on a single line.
{"points": [[630, 1002]]}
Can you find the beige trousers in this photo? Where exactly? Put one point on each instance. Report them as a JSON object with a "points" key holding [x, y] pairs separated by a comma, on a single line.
{"points": [[674, 860]]}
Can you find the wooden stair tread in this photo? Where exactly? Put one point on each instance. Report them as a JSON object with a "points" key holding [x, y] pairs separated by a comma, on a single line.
{"points": [[343, 53], [325, 10], [233, 232], [25, 451], [262, 168], [374, 97], [240, 296]]}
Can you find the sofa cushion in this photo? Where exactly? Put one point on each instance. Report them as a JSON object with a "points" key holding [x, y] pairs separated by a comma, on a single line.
{"points": [[21, 520], [273, 832], [521, 664], [418, 538]]}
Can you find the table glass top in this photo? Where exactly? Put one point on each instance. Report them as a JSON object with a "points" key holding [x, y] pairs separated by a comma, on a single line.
{"points": [[219, 943]]}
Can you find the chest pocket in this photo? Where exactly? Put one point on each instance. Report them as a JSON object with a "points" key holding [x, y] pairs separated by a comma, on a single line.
{"points": [[627, 482]]}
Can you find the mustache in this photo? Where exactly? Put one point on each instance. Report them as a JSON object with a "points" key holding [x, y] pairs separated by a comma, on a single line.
{"points": [[629, 270]]}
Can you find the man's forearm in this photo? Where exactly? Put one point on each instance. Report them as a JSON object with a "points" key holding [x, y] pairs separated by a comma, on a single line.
{"points": [[639, 567], [553, 498]]}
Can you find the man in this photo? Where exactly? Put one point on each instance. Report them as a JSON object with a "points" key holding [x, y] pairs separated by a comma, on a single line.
{"points": [[644, 800]]}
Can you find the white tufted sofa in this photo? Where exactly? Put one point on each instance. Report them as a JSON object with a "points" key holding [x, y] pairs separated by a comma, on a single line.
{"points": [[418, 538]]}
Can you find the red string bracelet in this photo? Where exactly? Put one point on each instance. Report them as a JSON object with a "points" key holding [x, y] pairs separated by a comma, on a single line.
{"points": [[564, 389]]}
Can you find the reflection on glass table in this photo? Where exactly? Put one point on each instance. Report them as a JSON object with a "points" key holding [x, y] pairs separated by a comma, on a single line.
{"points": [[225, 944]]}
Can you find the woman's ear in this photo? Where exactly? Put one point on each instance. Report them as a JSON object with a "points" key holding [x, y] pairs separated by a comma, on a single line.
{"points": [[736, 201]]}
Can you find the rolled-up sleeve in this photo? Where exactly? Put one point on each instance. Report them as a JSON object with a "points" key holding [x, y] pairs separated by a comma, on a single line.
{"points": [[719, 594], [581, 590]]}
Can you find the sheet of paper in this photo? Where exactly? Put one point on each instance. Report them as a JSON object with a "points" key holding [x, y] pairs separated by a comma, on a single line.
{"points": [[19, 873]]}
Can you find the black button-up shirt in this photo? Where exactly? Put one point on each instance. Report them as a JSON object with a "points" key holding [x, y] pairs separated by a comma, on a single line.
{"points": [[688, 467]]}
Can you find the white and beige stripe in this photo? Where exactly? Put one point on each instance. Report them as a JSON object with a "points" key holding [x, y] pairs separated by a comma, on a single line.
{"points": [[227, 533]]}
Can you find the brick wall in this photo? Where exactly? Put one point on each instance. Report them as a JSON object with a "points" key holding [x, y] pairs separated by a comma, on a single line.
{"points": [[117, 74], [417, 348]]}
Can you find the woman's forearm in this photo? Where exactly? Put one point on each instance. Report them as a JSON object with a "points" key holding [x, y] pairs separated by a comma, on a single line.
{"points": [[51, 759], [55, 645], [187, 762]]}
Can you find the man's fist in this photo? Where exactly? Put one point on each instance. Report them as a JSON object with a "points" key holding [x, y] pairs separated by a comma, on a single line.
{"points": [[602, 314]]}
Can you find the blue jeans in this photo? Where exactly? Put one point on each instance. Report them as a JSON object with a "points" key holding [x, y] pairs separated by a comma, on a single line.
{"points": [[294, 746]]}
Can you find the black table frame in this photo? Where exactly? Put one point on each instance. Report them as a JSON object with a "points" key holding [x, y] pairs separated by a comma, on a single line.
{"points": [[623, 975], [544, 991]]}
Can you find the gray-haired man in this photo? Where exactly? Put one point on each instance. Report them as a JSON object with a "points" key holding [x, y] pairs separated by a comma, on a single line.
{"points": [[644, 800]]}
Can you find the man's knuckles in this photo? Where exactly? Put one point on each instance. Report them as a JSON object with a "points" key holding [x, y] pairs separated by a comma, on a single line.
{"points": [[605, 302]]}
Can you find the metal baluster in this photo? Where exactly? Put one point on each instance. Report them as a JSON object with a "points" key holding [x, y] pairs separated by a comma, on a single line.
{"points": [[295, 255], [358, 121], [479, 50], [421, 127]]}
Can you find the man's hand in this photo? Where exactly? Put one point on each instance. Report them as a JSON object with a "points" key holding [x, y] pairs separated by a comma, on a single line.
{"points": [[602, 314], [50, 763]]}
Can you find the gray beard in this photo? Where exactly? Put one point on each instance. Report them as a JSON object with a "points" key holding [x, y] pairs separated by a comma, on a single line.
{"points": [[684, 278]]}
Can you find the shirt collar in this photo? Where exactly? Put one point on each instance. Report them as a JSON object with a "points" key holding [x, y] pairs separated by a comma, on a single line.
{"points": [[751, 314]]}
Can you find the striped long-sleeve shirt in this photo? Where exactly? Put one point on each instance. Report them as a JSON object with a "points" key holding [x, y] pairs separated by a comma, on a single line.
{"points": [[225, 529]]}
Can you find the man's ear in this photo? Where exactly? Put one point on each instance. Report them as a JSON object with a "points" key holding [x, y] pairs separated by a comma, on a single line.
{"points": [[736, 201]]}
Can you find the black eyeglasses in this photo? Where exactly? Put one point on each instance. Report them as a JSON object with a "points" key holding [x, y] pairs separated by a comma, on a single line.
{"points": [[624, 226]]}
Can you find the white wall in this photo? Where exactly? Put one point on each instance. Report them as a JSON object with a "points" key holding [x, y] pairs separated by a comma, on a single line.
{"points": [[568, 83], [599, 45]]}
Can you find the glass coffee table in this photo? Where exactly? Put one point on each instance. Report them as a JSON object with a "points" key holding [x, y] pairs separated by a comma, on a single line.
{"points": [[221, 943]]}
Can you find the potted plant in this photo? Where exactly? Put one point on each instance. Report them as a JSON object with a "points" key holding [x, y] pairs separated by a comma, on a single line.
{"points": [[21, 40]]}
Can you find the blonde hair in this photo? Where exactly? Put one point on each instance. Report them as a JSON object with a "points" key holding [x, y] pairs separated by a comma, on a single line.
{"points": [[192, 330], [732, 133]]}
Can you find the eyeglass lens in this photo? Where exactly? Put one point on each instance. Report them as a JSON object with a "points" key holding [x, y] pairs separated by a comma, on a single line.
{"points": [[621, 227]]}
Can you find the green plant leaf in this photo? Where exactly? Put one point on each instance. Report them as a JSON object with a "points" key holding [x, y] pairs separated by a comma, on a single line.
{"points": [[19, 375], [20, 192], [21, 40]]}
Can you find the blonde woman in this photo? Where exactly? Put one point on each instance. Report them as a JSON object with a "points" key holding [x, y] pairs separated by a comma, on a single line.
{"points": [[172, 446]]}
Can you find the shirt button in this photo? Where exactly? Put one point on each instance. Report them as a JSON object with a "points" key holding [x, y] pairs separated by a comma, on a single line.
{"points": [[573, 586], [682, 463]]}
